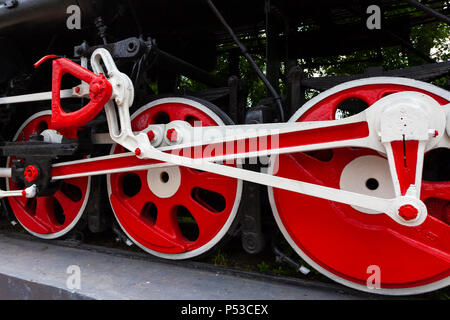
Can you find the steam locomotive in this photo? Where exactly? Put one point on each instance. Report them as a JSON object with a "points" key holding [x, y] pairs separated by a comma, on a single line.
{"points": [[114, 115]]}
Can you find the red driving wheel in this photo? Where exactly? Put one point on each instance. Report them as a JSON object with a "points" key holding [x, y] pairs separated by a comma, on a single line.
{"points": [[52, 216], [348, 243], [175, 212]]}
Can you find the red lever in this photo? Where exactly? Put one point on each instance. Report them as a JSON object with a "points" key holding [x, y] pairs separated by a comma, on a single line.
{"points": [[100, 91]]}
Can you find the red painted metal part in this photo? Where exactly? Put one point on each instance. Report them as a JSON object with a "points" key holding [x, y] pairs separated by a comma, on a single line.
{"points": [[31, 173], [52, 214], [286, 140], [100, 91], [345, 242], [96, 165], [45, 58], [408, 212], [151, 135], [405, 157], [172, 135], [164, 235]]}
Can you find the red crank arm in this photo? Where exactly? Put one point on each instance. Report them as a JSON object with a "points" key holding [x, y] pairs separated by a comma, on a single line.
{"points": [[100, 91]]}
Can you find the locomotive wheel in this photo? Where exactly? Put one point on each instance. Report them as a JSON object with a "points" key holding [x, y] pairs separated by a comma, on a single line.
{"points": [[175, 212], [53, 216], [350, 245]]}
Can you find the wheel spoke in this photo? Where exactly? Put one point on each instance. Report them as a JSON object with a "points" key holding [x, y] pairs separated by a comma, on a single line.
{"points": [[137, 202], [45, 211], [440, 190], [166, 221], [210, 181], [77, 182], [70, 207], [431, 238], [159, 236], [208, 222]]}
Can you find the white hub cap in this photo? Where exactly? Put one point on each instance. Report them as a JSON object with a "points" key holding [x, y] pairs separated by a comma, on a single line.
{"points": [[368, 175], [164, 182]]}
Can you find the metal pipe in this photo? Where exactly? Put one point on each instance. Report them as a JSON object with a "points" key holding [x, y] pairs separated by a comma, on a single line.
{"points": [[429, 11], [185, 68], [5, 172], [249, 58], [40, 96], [281, 257]]}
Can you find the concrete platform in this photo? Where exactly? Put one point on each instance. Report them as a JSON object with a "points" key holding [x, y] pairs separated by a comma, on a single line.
{"points": [[32, 269]]}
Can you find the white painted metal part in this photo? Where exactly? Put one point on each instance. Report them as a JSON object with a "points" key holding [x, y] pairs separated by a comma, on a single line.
{"points": [[368, 175], [164, 182]]}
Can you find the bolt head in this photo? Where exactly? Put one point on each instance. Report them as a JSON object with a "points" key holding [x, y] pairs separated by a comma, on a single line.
{"points": [[137, 151], [151, 135], [31, 173], [96, 89], [172, 135], [408, 212]]}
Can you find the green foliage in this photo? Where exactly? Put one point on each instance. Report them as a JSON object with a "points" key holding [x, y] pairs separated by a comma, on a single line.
{"points": [[220, 259], [445, 296], [256, 88], [432, 40], [263, 266], [280, 271]]}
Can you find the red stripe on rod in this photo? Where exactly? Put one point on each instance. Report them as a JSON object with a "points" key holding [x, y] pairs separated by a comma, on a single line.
{"points": [[343, 132], [285, 140], [405, 157], [101, 165]]}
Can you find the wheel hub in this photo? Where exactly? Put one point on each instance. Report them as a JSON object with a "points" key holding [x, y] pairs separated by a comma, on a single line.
{"points": [[164, 182], [368, 175]]}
